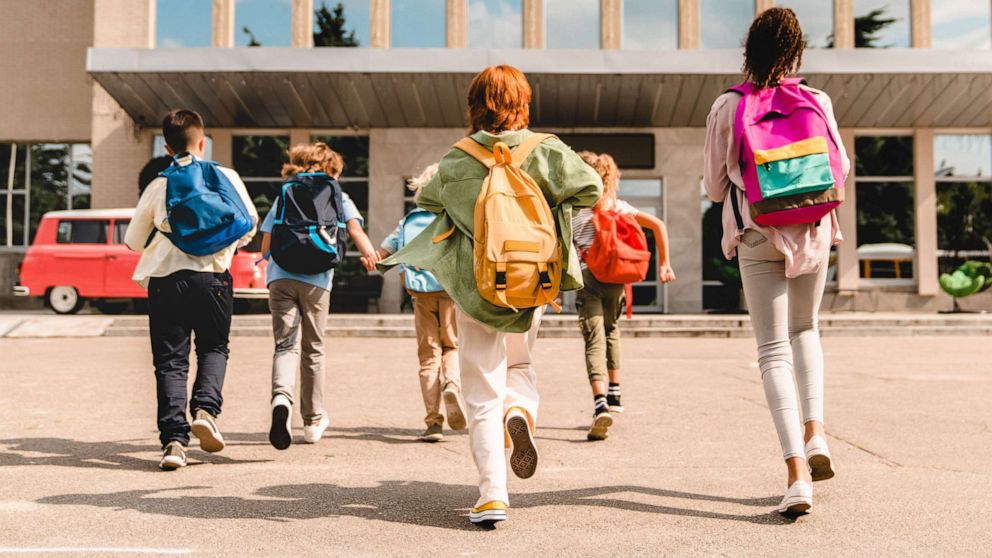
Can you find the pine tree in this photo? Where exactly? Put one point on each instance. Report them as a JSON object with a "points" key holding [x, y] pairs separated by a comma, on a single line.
{"points": [[252, 41], [330, 28]]}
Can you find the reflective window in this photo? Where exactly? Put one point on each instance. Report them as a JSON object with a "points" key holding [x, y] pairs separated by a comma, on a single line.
{"points": [[886, 213], [341, 23], [571, 23], [183, 23], [724, 23], [964, 198], [417, 24], [120, 229], [817, 19], [881, 24], [82, 232], [961, 24], [262, 23], [259, 160], [495, 24], [158, 147], [963, 156], [650, 24]]}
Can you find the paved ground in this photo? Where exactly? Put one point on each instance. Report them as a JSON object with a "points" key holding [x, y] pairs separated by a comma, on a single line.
{"points": [[691, 469]]}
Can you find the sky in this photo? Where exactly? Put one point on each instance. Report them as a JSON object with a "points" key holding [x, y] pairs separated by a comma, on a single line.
{"points": [[650, 24], [723, 23], [816, 18], [961, 23], [495, 24], [897, 34]]}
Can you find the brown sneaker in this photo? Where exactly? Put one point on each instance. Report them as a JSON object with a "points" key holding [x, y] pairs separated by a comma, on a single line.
{"points": [[205, 428], [523, 457], [173, 457], [454, 407]]}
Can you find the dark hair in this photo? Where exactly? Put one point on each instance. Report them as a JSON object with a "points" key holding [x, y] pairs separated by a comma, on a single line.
{"points": [[499, 100], [182, 128], [151, 171], [774, 47]]}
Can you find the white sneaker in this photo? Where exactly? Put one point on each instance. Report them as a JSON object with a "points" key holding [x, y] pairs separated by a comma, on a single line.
{"points": [[313, 432], [281, 431], [798, 499], [821, 466]]}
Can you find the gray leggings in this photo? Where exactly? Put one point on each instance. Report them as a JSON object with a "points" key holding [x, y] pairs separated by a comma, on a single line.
{"points": [[784, 315]]}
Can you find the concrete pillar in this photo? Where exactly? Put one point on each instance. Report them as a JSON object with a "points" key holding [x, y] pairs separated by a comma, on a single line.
{"points": [[920, 23], [610, 24], [843, 23], [688, 23], [223, 24], [302, 30], [848, 271], [223, 146], [120, 148], [925, 202], [456, 24], [762, 5], [533, 23], [685, 233], [379, 21]]}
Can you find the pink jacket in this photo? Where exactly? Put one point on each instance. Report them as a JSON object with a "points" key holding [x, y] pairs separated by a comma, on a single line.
{"points": [[806, 247]]}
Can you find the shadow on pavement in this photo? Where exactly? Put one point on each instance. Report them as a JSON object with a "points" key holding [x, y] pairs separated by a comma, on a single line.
{"points": [[61, 452], [426, 504], [385, 435]]}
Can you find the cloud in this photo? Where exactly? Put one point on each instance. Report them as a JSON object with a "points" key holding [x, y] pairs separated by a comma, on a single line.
{"points": [[495, 24], [171, 42], [572, 23]]}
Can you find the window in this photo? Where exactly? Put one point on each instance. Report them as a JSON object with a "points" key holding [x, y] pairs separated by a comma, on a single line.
{"points": [[262, 23], [355, 178], [650, 24], [964, 198], [46, 177], [120, 229], [881, 24], [259, 160], [886, 214], [341, 23], [630, 151], [418, 24], [961, 24], [183, 23], [82, 232], [571, 23], [495, 24], [158, 147], [645, 195], [817, 19], [723, 23]]}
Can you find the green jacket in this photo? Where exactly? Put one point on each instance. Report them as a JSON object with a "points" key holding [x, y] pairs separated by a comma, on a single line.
{"points": [[568, 184]]}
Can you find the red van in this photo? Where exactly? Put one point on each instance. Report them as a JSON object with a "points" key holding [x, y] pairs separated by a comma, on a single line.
{"points": [[80, 255]]}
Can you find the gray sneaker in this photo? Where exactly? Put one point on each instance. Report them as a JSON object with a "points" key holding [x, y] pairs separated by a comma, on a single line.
{"points": [[205, 428], [434, 433], [173, 457]]}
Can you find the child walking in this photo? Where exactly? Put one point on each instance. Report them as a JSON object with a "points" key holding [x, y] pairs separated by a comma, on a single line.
{"points": [[496, 342], [299, 297], [600, 304], [434, 318], [186, 272], [783, 266]]}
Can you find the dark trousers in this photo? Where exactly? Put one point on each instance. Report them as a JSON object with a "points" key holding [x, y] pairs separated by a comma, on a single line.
{"points": [[183, 303]]}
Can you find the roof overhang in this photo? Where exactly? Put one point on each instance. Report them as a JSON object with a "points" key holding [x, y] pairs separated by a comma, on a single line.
{"points": [[370, 88]]}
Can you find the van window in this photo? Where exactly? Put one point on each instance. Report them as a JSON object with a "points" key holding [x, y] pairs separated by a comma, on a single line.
{"points": [[87, 231], [120, 229]]}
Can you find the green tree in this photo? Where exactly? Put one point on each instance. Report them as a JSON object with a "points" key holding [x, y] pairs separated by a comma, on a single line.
{"points": [[867, 28], [331, 28], [252, 41]]}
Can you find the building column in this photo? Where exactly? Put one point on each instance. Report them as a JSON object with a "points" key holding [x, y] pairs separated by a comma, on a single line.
{"points": [[302, 32], [299, 135], [920, 23], [610, 24], [120, 147], [223, 24], [762, 5], [848, 270], [925, 205], [533, 23], [688, 24], [379, 21], [843, 23], [223, 146], [456, 24]]}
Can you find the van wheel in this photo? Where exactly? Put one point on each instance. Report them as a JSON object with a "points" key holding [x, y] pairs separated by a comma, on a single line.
{"points": [[65, 300]]}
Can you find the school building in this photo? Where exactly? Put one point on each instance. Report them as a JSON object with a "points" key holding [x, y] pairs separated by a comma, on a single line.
{"points": [[86, 83]]}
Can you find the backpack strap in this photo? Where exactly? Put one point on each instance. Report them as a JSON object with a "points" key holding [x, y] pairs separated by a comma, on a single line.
{"points": [[526, 147], [473, 148], [732, 193]]}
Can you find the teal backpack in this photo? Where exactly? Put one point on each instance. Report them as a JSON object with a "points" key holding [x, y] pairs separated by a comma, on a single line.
{"points": [[417, 281]]}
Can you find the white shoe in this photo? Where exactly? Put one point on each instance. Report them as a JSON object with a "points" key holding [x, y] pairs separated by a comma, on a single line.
{"points": [[821, 465], [281, 432], [313, 432], [798, 499]]}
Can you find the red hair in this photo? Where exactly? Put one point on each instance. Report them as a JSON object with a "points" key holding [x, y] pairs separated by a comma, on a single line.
{"points": [[499, 100]]}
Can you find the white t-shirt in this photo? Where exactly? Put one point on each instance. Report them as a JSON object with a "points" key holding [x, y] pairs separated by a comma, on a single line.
{"points": [[583, 229]]}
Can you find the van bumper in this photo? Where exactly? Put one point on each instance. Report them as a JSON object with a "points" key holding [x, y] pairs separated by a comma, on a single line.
{"points": [[21, 290], [253, 294]]}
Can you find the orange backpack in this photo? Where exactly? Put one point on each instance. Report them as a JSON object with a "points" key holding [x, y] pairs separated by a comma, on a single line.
{"points": [[619, 253]]}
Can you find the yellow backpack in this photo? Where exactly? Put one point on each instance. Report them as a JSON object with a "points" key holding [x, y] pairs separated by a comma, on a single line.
{"points": [[517, 257]]}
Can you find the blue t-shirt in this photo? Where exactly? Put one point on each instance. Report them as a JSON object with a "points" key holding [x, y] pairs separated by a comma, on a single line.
{"points": [[322, 280]]}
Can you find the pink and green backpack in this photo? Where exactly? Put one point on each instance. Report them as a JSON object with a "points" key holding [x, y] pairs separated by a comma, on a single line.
{"points": [[791, 163]]}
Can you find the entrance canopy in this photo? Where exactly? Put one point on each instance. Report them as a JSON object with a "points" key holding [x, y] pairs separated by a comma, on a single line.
{"points": [[373, 88]]}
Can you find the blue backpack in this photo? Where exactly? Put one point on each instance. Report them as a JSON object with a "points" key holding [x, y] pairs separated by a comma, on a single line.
{"points": [[418, 281], [309, 235], [205, 212]]}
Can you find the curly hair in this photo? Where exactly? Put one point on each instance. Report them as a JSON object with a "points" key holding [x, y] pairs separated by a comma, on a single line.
{"points": [[416, 183], [499, 100], [774, 47], [313, 157], [606, 167]]}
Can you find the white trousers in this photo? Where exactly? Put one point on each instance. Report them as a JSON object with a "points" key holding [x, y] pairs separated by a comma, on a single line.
{"points": [[497, 374]]}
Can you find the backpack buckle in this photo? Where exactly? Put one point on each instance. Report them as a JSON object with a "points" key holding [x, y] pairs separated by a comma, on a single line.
{"points": [[545, 280], [500, 280]]}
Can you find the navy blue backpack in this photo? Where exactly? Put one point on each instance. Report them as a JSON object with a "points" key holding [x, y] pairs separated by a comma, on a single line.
{"points": [[205, 211], [309, 235]]}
